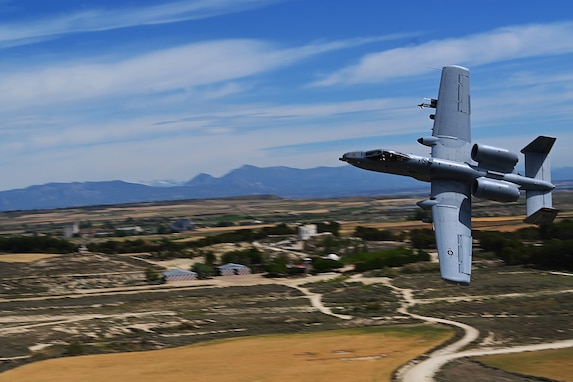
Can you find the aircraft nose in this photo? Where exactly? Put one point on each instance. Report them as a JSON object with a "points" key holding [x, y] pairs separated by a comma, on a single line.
{"points": [[352, 156]]}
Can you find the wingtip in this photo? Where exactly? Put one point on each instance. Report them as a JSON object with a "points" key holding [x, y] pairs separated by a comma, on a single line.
{"points": [[458, 282]]}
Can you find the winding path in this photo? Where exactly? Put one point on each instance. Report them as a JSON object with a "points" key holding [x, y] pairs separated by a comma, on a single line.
{"points": [[316, 298], [425, 370], [414, 371]]}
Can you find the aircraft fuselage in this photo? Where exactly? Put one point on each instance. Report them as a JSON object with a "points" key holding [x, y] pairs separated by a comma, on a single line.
{"points": [[428, 169]]}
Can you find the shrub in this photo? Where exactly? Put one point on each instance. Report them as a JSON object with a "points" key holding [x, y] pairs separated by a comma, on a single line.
{"points": [[373, 234], [392, 258]]}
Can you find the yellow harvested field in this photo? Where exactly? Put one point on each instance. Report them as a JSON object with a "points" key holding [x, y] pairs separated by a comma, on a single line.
{"points": [[554, 364], [25, 257], [503, 223], [367, 354], [313, 211], [233, 228]]}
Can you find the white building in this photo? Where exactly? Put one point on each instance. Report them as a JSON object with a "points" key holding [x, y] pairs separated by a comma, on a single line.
{"points": [[306, 231], [70, 229]]}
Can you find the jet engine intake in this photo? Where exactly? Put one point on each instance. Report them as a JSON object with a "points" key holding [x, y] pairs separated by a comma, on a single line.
{"points": [[493, 158], [496, 190]]}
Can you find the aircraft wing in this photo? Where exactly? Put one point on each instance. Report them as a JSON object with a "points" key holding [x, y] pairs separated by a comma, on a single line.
{"points": [[451, 200], [451, 211], [452, 119]]}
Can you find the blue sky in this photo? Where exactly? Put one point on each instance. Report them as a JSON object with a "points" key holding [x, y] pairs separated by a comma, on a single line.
{"points": [[144, 90]]}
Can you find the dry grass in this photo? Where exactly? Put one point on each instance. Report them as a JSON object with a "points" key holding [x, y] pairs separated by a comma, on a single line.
{"points": [[554, 364], [25, 257], [232, 228], [502, 224], [370, 354]]}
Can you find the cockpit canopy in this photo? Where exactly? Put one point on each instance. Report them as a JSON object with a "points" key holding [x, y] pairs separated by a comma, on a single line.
{"points": [[386, 156]]}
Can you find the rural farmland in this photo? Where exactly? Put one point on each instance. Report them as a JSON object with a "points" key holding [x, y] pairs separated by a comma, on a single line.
{"points": [[95, 305]]}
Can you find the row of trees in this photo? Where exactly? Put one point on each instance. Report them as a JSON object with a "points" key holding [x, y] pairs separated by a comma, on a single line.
{"points": [[420, 238], [373, 234], [33, 244], [397, 257], [545, 246], [164, 247], [549, 246]]}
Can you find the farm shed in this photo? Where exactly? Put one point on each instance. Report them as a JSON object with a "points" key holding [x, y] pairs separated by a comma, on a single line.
{"points": [[232, 269], [179, 275]]}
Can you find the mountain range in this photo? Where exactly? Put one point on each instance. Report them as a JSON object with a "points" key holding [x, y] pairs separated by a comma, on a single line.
{"points": [[285, 182]]}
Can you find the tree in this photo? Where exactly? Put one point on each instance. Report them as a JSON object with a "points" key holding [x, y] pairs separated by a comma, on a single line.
{"points": [[162, 229], [423, 238], [224, 224], [278, 266], [108, 225], [152, 276], [32, 244], [246, 257], [421, 214], [279, 229], [210, 257], [329, 244], [373, 234], [74, 348], [204, 271], [392, 258], [325, 265], [332, 227]]}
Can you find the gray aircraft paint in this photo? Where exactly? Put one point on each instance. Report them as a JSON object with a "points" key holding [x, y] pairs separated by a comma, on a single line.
{"points": [[459, 170]]}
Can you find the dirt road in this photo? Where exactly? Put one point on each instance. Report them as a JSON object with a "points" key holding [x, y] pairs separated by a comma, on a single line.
{"points": [[426, 369], [316, 298], [413, 371]]}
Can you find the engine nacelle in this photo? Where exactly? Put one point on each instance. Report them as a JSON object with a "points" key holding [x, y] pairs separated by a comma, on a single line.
{"points": [[496, 190], [493, 158]]}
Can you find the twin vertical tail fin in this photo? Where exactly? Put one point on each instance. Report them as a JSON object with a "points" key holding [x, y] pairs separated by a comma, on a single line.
{"points": [[539, 202]]}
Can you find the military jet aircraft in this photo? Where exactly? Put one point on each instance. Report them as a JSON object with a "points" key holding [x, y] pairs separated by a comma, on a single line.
{"points": [[459, 170]]}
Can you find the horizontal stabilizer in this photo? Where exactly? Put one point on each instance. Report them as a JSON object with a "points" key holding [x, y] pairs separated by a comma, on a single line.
{"points": [[539, 202], [542, 216]]}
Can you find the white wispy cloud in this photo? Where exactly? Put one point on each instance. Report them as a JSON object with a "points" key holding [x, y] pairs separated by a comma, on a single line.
{"points": [[64, 132], [501, 44], [92, 20], [214, 105], [159, 71]]}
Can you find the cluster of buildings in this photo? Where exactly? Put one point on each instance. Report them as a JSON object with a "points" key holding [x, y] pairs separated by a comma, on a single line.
{"points": [[73, 229], [305, 233]]}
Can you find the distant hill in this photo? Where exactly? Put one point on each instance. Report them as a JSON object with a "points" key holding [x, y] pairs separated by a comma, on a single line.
{"points": [[562, 173], [286, 182], [322, 182]]}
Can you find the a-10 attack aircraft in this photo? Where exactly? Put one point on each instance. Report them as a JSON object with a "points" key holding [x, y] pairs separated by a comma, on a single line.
{"points": [[457, 170]]}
